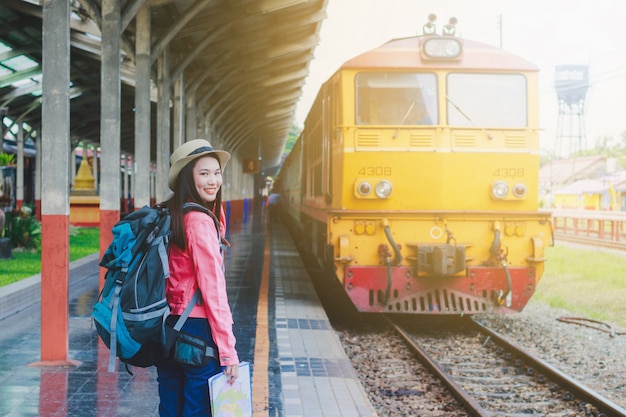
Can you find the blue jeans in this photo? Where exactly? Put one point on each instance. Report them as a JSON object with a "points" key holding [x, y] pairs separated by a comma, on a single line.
{"points": [[184, 390]]}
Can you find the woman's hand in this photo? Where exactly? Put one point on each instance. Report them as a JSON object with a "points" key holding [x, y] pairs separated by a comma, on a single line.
{"points": [[232, 371]]}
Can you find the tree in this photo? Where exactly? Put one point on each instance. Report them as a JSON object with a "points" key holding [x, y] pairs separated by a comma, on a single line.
{"points": [[292, 137], [607, 147]]}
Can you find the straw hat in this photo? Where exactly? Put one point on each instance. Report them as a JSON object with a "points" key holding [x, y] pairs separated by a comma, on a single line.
{"points": [[189, 151]]}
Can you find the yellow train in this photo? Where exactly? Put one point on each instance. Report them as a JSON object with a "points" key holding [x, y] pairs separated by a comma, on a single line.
{"points": [[415, 177]]}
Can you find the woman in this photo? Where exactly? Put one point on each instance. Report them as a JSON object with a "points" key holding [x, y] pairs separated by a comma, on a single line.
{"points": [[196, 262]]}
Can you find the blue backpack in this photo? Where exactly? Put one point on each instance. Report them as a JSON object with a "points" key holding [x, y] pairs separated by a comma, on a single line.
{"points": [[131, 309]]}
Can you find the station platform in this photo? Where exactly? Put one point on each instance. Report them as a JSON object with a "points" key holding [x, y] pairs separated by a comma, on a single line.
{"points": [[298, 365]]}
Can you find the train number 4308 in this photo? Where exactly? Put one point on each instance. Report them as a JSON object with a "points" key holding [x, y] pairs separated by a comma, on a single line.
{"points": [[375, 171], [508, 172]]}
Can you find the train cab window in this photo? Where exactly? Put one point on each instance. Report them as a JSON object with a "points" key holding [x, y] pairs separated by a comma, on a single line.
{"points": [[487, 100], [396, 98]]}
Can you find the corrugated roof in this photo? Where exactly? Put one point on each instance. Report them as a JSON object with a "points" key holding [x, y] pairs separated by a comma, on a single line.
{"points": [[583, 187], [562, 171], [248, 62]]}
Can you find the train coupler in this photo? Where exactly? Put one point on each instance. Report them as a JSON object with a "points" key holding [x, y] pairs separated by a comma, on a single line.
{"points": [[443, 260]]}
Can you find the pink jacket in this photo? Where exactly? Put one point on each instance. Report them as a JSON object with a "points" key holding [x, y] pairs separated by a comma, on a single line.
{"points": [[202, 262]]}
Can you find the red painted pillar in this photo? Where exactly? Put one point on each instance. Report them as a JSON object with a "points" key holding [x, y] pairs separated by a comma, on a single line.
{"points": [[54, 288], [55, 291], [38, 210], [55, 186]]}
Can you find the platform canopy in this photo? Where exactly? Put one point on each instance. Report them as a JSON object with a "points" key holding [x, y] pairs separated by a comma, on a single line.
{"points": [[246, 61]]}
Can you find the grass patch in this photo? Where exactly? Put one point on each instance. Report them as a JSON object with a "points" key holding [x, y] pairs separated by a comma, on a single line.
{"points": [[587, 282], [23, 265], [83, 241]]}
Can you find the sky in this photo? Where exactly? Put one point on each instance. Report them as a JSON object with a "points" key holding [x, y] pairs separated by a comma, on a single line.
{"points": [[546, 32]]}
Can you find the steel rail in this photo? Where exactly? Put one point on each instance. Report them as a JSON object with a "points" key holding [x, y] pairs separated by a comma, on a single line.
{"points": [[578, 390], [459, 393], [589, 241]]}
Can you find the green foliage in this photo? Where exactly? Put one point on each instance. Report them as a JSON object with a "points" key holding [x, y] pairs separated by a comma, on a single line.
{"points": [[609, 148], [23, 229], [292, 137], [83, 241], [6, 159], [605, 146]]}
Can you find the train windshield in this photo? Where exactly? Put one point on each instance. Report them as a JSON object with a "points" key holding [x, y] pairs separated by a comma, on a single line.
{"points": [[396, 98], [487, 100]]}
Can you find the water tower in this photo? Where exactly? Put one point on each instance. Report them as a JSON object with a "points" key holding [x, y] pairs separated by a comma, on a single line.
{"points": [[572, 83]]}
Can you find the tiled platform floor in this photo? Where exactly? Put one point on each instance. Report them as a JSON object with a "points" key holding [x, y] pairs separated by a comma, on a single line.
{"points": [[307, 371]]}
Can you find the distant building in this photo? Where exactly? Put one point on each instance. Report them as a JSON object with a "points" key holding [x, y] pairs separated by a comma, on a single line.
{"points": [[582, 194], [620, 190], [586, 183]]}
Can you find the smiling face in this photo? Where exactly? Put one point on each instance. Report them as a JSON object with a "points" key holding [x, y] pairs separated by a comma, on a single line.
{"points": [[207, 178]]}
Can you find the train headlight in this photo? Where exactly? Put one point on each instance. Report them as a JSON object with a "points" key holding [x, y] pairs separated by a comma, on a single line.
{"points": [[442, 48], [383, 189], [519, 190], [364, 188], [499, 190]]}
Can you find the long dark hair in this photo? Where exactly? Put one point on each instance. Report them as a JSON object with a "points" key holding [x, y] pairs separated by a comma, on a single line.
{"points": [[185, 191]]}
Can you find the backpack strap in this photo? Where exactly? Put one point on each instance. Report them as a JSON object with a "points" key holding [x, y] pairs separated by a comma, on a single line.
{"points": [[183, 318], [189, 206], [115, 300]]}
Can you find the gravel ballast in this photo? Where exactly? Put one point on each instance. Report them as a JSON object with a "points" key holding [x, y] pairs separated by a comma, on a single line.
{"points": [[591, 356], [398, 385]]}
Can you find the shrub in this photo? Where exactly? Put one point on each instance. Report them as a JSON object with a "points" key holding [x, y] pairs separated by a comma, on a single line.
{"points": [[7, 159], [23, 229]]}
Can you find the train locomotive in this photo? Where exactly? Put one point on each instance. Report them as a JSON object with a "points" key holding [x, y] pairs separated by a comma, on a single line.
{"points": [[415, 177]]}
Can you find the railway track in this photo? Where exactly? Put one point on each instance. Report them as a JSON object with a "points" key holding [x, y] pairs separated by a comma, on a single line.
{"points": [[491, 376], [590, 241], [481, 373]]}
